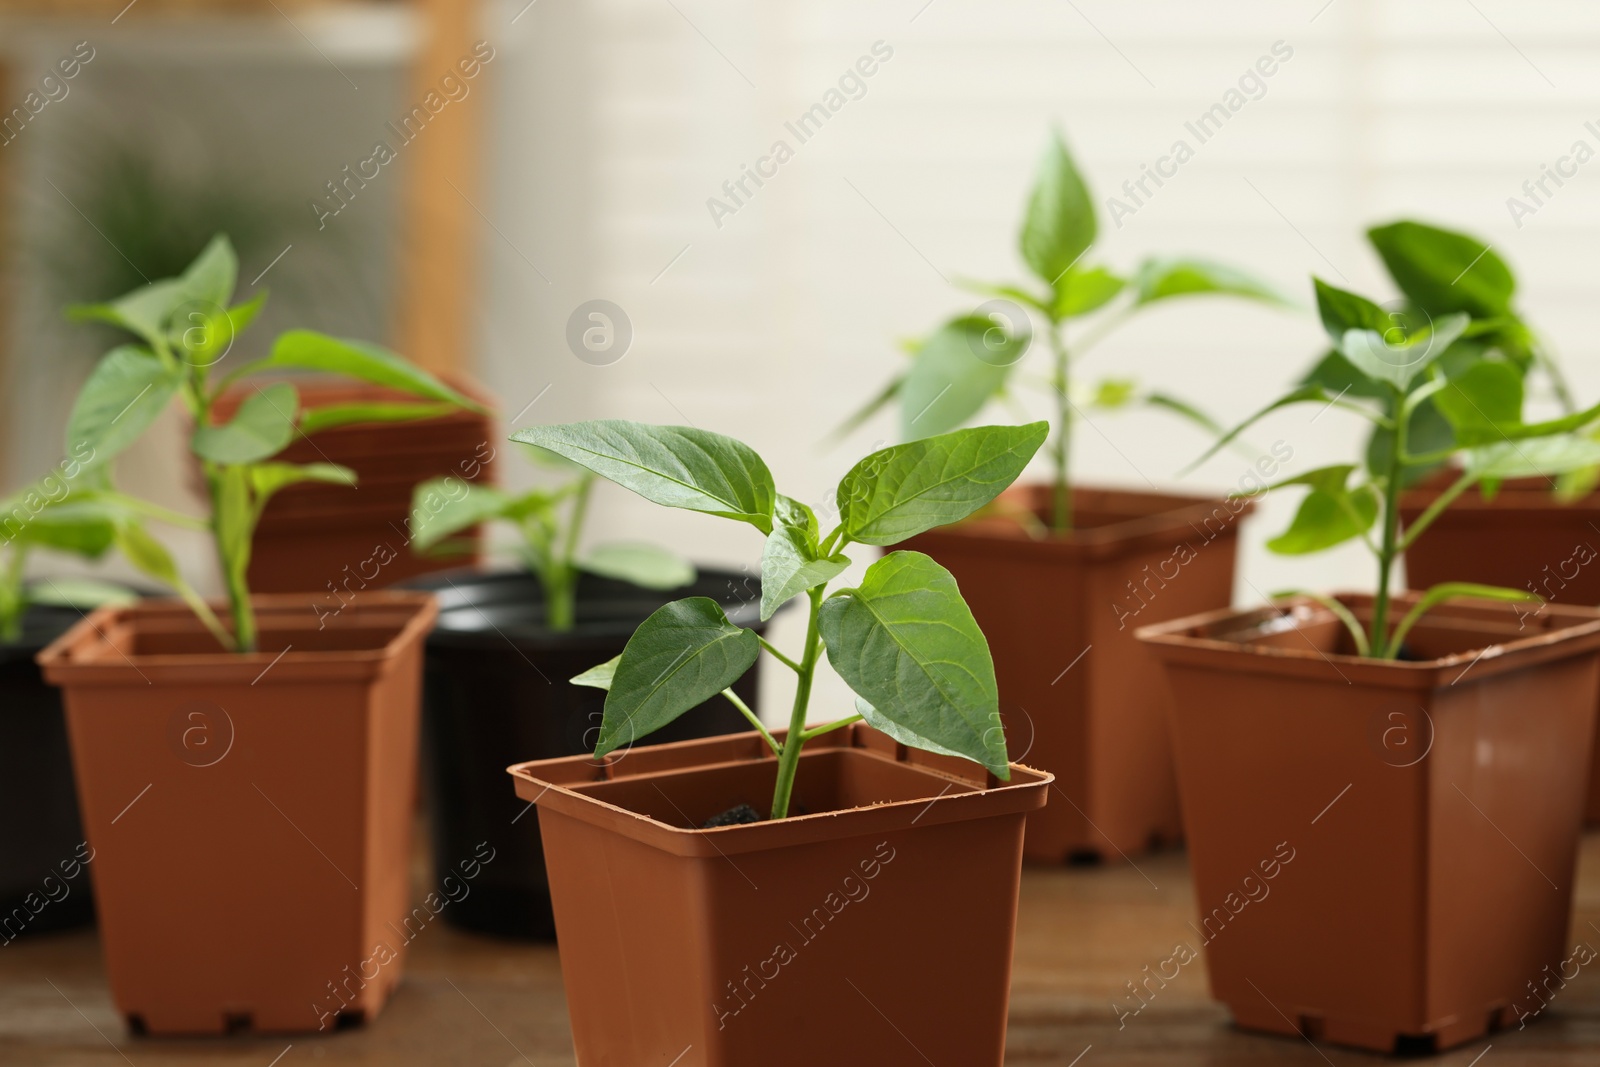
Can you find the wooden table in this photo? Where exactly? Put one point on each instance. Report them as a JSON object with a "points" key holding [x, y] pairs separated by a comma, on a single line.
{"points": [[469, 1000]]}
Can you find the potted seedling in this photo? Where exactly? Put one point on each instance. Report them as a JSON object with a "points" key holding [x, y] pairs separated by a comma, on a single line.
{"points": [[1058, 574], [858, 876], [1420, 757], [245, 772], [497, 664], [43, 881]]}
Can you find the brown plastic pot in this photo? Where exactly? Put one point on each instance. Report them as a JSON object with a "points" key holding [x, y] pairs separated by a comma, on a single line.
{"points": [[875, 928], [1383, 852], [1080, 697], [333, 540], [250, 815], [1523, 538]]}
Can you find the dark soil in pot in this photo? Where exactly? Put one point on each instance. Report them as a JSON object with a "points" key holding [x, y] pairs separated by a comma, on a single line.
{"points": [[43, 883], [496, 691]]}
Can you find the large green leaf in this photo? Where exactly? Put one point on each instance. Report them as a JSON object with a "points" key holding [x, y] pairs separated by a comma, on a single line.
{"points": [[1428, 431], [647, 566], [127, 391], [213, 274], [1060, 224], [907, 643], [1084, 291], [954, 374], [267, 478], [1481, 402], [1342, 311], [1330, 514], [261, 428], [681, 656], [904, 490], [791, 563], [1532, 457], [308, 350], [1443, 271], [332, 415], [676, 466], [445, 506], [1388, 356], [70, 526], [145, 312], [1162, 279]]}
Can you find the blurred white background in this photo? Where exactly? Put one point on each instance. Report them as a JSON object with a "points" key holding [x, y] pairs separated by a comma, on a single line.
{"points": [[613, 122]]}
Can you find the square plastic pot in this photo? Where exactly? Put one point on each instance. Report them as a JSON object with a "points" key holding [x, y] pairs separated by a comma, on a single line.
{"points": [[1383, 852], [1079, 696], [250, 815], [874, 928]]}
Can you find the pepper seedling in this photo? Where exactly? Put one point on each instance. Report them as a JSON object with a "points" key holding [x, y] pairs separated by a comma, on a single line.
{"points": [[969, 360], [1394, 367], [904, 640], [549, 524], [186, 326]]}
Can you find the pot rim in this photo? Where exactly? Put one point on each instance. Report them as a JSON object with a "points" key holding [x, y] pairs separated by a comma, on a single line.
{"points": [[553, 784], [1170, 514], [1559, 631], [79, 658]]}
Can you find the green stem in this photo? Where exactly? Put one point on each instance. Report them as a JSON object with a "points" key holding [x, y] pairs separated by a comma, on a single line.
{"points": [[561, 586], [13, 601], [755, 720], [789, 759], [1435, 509], [1378, 634], [828, 728], [1061, 454], [777, 655]]}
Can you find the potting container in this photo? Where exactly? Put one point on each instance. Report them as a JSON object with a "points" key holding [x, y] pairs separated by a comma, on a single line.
{"points": [[1079, 696], [250, 815], [497, 689], [44, 881], [336, 539], [873, 926], [1383, 852], [1522, 538]]}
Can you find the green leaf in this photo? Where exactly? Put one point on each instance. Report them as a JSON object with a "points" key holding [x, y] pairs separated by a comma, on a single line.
{"points": [[1304, 394], [1162, 279], [955, 373], [1451, 591], [267, 478], [445, 506], [791, 564], [1009, 292], [675, 466], [647, 566], [1428, 431], [145, 312], [1443, 271], [127, 391], [1113, 393], [1329, 515], [151, 557], [79, 528], [1342, 311], [1060, 223], [1085, 291], [308, 350], [1338, 377], [599, 676], [1533, 457], [213, 274], [261, 428], [684, 654], [1481, 402], [904, 490], [857, 418], [84, 594], [907, 643], [326, 418], [1397, 357], [790, 512]]}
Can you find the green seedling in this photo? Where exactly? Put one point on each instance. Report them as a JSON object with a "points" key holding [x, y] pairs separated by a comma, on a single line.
{"points": [[904, 640]]}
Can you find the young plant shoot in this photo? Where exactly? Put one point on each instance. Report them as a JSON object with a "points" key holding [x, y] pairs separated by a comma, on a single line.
{"points": [[549, 525], [185, 328], [1389, 368], [968, 361], [903, 640], [43, 516]]}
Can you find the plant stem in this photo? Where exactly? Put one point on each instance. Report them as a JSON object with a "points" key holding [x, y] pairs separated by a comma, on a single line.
{"points": [[755, 720], [1378, 635], [789, 760], [561, 579], [829, 727], [13, 602], [777, 655], [1062, 452]]}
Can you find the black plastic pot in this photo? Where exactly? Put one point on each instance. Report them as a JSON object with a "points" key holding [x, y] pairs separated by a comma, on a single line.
{"points": [[44, 885], [496, 692]]}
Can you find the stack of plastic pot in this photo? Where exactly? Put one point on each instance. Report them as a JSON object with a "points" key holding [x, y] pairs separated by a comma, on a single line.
{"points": [[337, 539]]}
